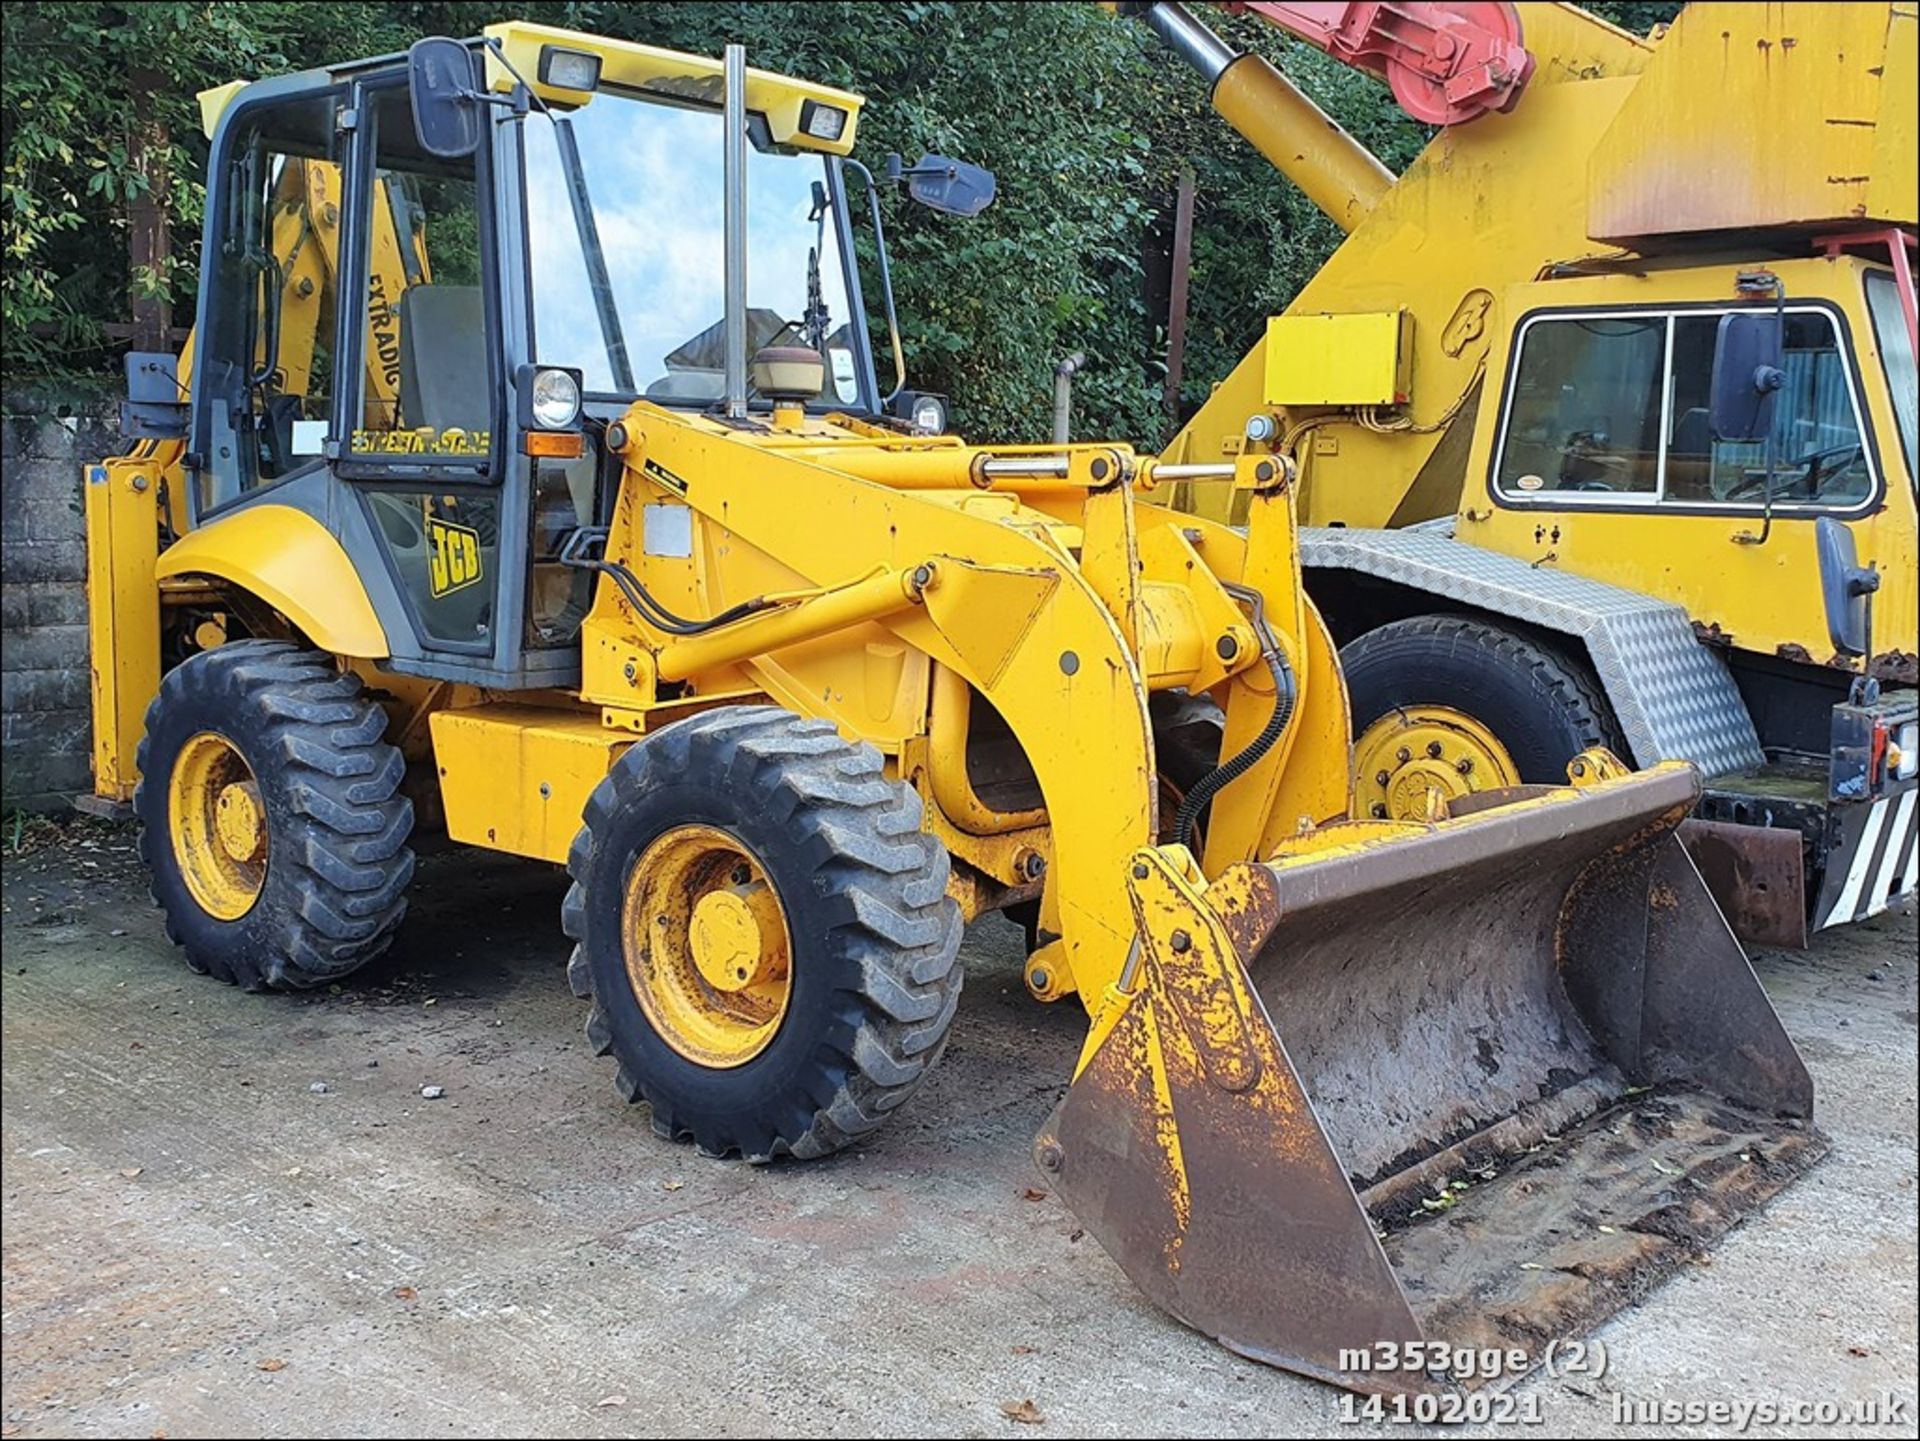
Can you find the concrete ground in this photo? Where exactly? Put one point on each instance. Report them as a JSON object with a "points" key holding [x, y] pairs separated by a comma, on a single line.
{"points": [[199, 1240]]}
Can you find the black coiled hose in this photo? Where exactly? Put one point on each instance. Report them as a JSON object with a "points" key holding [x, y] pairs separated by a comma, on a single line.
{"points": [[1229, 771]]}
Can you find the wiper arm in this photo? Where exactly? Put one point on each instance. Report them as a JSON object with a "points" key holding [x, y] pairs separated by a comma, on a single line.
{"points": [[596, 258]]}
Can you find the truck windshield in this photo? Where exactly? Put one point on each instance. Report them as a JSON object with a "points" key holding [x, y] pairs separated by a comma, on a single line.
{"points": [[652, 176], [1890, 333]]}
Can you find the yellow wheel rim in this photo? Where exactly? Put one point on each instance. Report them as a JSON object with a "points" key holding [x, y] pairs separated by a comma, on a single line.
{"points": [[219, 826], [707, 949], [1412, 761]]}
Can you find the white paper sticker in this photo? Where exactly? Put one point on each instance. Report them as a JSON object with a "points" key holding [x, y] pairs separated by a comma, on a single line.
{"points": [[309, 437], [667, 530], [844, 384]]}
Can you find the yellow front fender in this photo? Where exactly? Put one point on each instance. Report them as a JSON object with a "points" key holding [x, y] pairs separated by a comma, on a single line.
{"points": [[293, 563]]}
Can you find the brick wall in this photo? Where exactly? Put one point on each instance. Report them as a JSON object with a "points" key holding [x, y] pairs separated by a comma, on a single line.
{"points": [[46, 436]]}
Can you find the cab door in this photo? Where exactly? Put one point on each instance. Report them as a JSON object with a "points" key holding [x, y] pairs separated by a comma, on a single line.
{"points": [[421, 427], [1601, 459]]}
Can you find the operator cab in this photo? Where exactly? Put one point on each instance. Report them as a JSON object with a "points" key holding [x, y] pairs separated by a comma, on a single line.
{"points": [[435, 279]]}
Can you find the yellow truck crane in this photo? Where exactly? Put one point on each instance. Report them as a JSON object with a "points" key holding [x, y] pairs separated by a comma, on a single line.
{"points": [[1544, 505], [530, 479]]}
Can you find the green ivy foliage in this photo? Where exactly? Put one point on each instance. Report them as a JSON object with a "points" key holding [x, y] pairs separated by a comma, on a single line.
{"points": [[1086, 121]]}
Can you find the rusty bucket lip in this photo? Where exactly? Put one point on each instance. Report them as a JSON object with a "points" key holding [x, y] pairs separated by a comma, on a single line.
{"points": [[1666, 795]]}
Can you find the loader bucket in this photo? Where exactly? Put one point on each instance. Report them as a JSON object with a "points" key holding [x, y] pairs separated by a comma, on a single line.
{"points": [[1479, 1085]]}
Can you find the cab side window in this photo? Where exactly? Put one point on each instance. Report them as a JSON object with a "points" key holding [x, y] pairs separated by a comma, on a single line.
{"points": [[1618, 406], [266, 353], [1818, 457], [1585, 414]]}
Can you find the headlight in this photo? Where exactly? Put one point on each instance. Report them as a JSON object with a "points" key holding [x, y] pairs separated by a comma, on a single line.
{"points": [[822, 122], [556, 400], [929, 416], [1908, 763], [569, 69]]}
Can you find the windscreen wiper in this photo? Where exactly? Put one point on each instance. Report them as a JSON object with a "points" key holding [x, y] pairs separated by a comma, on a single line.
{"points": [[596, 258]]}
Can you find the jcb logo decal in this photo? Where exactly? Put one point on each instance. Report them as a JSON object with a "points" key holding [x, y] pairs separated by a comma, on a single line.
{"points": [[453, 556]]}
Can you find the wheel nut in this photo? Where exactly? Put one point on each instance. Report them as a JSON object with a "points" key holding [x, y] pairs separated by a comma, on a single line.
{"points": [[1182, 942], [1379, 811], [1433, 750], [1403, 755], [741, 875], [1464, 765], [1380, 778]]}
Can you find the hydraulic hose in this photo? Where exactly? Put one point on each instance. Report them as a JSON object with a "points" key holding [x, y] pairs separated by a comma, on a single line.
{"points": [[1285, 691]]}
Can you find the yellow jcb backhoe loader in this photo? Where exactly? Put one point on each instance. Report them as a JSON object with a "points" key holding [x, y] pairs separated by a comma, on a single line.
{"points": [[597, 541]]}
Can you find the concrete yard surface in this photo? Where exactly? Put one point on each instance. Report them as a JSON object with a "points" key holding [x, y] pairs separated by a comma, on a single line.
{"points": [[229, 1214]]}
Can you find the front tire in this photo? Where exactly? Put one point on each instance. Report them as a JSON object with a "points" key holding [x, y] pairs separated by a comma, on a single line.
{"points": [[764, 931], [1448, 705], [271, 817]]}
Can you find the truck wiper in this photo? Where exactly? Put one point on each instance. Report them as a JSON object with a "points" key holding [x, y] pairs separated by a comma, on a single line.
{"points": [[596, 258]]}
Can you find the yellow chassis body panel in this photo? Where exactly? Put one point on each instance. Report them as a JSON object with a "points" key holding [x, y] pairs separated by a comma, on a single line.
{"points": [[516, 777]]}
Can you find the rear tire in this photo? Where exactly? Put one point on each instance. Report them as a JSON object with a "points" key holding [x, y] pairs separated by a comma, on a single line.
{"points": [[1542, 705], [328, 887], [870, 980]]}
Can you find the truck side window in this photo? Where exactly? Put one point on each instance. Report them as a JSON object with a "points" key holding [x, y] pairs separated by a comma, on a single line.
{"points": [[1818, 458], [1585, 414], [267, 357]]}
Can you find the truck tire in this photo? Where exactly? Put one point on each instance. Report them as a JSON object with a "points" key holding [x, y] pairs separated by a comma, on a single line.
{"points": [[764, 932], [1455, 704], [272, 822]]}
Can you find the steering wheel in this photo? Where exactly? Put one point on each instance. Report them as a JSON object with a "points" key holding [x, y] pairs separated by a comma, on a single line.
{"points": [[1815, 463]]}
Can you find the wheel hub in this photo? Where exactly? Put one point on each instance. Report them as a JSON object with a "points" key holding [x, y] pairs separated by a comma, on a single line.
{"points": [[240, 821], [707, 947], [218, 825], [737, 937], [1411, 763]]}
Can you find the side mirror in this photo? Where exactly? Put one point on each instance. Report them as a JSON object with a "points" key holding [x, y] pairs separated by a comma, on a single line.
{"points": [[1845, 586], [951, 187], [1748, 352], [446, 112]]}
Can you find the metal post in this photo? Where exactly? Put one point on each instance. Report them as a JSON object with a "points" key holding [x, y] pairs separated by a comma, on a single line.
{"points": [[1177, 297], [1063, 374], [734, 178], [148, 238]]}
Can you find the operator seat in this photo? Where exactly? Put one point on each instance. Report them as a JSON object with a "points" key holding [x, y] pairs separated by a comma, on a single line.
{"points": [[443, 359]]}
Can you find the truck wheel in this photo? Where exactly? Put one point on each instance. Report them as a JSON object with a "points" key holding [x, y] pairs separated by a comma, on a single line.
{"points": [[764, 931], [271, 817], [1444, 706]]}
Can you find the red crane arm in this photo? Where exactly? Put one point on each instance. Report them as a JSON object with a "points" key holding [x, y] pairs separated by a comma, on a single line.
{"points": [[1446, 63]]}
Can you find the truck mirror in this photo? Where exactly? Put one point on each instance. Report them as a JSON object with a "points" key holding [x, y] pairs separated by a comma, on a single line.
{"points": [[1747, 355], [951, 187], [446, 112], [1845, 585]]}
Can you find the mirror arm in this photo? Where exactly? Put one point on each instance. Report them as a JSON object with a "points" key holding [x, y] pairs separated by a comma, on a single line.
{"points": [[1747, 537], [886, 275]]}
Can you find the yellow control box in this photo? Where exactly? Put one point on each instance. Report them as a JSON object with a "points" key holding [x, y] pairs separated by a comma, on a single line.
{"points": [[1364, 359]]}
